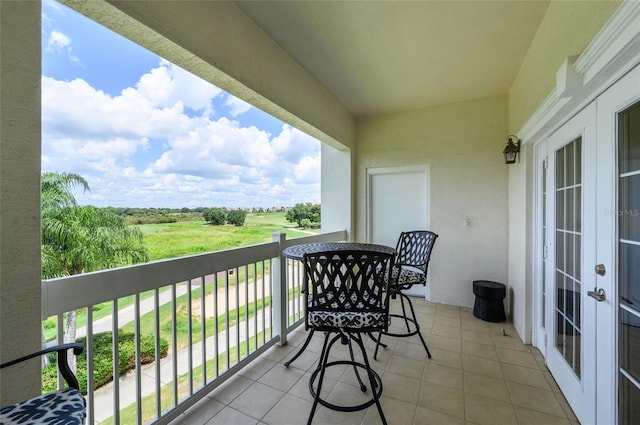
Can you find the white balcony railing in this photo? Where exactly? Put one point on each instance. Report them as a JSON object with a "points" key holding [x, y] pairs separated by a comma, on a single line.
{"points": [[217, 311]]}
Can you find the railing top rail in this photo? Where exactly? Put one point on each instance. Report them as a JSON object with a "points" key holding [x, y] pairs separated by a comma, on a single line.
{"points": [[72, 292]]}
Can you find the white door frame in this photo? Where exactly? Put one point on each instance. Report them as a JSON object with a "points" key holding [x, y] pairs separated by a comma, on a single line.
{"points": [[408, 169], [541, 249], [421, 172]]}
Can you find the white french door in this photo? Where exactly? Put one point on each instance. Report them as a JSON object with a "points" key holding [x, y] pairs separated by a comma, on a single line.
{"points": [[618, 252], [591, 237], [570, 236]]}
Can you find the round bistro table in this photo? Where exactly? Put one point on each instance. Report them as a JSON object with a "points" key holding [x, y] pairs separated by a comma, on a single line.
{"points": [[296, 252]]}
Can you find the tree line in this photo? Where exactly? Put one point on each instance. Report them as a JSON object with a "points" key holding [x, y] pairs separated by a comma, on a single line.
{"points": [[220, 216], [150, 211]]}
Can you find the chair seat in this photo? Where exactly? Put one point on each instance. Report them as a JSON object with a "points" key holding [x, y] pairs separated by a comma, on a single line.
{"points": [[408, 276], [66, 406], [352, 303], [347, 320]]}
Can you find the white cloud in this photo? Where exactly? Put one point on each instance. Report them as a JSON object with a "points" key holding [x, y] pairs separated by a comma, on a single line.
{"points": [[169, 84], [59, 42], [307, 169], [75, 108], [237, 106], [143, 148]]}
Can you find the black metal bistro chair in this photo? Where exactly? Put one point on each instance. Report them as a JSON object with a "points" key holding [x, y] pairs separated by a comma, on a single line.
{"points": [[66, 406], [413, 252], [349, 297]]}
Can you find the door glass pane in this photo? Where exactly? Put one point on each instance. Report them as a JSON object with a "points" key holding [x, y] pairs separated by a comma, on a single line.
{"points": [[629, 402], [630, 343], [629, 207], [569, 252], [629, 264]]}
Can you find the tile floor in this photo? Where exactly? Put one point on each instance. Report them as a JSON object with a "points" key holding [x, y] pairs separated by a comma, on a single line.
{"points": [[476, 376]]}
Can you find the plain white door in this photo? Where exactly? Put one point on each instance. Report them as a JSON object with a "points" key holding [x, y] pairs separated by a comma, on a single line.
{"points": [[397, 200], [571, 240]]}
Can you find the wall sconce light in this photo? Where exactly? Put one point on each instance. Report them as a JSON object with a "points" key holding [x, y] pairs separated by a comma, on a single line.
{"points": [[510, 152]]}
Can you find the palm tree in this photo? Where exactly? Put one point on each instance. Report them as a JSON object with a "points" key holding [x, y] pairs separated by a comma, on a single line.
{"points": [[79, 239]]}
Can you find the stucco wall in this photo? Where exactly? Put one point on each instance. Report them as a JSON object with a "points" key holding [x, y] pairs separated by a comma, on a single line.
{"points": [[566, 30], [19, 196], [462, 144]]}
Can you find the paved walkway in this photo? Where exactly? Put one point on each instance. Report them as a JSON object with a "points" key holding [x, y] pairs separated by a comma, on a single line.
{"points": [[127, 314], [103, 397]]}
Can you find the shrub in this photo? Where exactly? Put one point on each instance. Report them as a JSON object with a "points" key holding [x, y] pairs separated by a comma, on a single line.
{"points": [[236, 217], [305, 215], [215, 216], [103, 359]]}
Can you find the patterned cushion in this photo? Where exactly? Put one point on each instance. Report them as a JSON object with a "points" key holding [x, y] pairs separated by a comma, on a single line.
{"points": [[64, 407], [409, 276], [352, 304], [347, 320]]}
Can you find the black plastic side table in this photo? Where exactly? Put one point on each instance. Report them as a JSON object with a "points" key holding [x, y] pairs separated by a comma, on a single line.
{"points": [[488, 305]]}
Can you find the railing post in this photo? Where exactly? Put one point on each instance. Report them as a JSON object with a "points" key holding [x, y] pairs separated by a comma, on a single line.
{"points": [[280, 298]]}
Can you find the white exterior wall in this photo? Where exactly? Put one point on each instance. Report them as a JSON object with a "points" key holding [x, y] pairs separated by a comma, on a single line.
{"points": [[462, 145], [521, 216], [566, 30], [19, 196], [336, 190]]}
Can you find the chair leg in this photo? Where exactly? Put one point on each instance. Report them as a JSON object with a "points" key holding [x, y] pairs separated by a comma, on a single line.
{"points": [[375, 352], [415, 321], [404, 311], [376, 340], [324, 357], [372, 380], [404, 316], [304, 347], [363, 387]]}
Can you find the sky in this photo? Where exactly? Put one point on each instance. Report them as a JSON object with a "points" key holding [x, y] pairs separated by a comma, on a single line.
{"points": [[145, 133]]}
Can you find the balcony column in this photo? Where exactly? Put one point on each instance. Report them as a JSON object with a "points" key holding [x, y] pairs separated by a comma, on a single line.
{"points": [[279, 301], [20, 274]]}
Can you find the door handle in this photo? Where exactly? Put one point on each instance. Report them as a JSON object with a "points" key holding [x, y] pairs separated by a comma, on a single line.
{"points": [[597, 294]]}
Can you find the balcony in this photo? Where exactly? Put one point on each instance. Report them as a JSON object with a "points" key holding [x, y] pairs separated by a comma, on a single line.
{"points": [[226, 350], [476, 376]]}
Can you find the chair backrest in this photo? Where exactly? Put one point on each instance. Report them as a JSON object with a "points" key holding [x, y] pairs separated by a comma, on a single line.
{"points": [[414, 249], [347, 281]]}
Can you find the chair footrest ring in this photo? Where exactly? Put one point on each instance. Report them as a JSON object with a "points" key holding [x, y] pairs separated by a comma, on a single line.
{"points": [[355, 408], [404, 334]]}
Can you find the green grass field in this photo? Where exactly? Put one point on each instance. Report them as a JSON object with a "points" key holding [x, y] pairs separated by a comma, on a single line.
{"points": [[171, 240]]}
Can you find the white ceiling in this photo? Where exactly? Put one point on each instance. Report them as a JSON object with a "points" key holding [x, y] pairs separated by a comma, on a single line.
{"points": [[383, 56]]}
